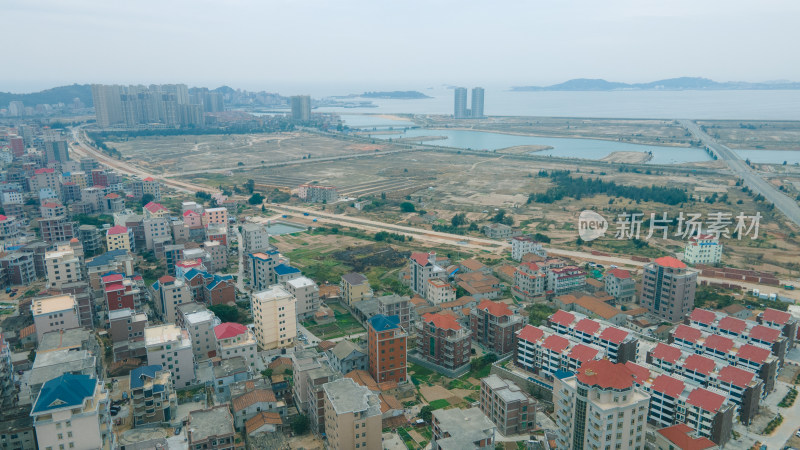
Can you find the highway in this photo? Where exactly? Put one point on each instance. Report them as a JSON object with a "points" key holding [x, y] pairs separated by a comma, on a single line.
{"points": [[750, 177]]}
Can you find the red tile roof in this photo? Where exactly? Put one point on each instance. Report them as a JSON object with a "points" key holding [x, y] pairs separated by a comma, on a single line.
{"points": [[531, 266], [45, 170], [665, 384], [112, 195], [587, 326], [614, 335], [671, 262], [420, 258], [562, 317], [119, 229], [619, 273], [190, 213], [149, 179], [667, 352], [699, 364], [702, 315], [732, 324], [113, 277], [154, 207], [114, 287], [530, 333], [583, 353], [681, 436], [442, 321], [719, 343], [228, 330], [775, 316], [605, 374], [687, 333], [765, 334], [166, 279], [640, 373], [555, 343], [752, 353], [705, 399], [497, 309], [736, 376]]}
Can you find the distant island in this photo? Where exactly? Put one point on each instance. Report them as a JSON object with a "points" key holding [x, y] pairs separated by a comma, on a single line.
{"points": [[396, 95], [670, 84]]}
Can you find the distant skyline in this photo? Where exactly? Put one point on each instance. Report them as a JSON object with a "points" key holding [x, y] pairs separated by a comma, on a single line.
{"points": [[334, 48]]}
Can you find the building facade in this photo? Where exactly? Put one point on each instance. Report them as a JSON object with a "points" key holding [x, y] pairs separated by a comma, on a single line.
{"points": [[275, 317], [668, 289], [386, 347]]}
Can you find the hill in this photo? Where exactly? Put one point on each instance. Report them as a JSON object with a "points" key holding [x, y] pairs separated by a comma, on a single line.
{"points": [[670, 84], [61, 94]]}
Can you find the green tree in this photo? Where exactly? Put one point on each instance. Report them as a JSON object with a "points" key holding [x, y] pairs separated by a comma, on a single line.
{"points": [[226, 313], [407, 207], [425, 413], [300, 424], [256, 199], [266, 373], [147, 198], [250, 185], [458, 220]]}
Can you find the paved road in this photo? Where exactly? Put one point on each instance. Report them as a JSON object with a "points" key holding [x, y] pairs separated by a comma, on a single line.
{"points": [[791, 419], [751, 178]]}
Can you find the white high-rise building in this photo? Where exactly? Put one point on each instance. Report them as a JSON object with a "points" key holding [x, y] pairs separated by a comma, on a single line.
{"points": [[703, 249], [599, 407]]}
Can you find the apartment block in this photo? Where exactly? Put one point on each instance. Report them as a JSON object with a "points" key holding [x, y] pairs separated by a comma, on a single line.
{"points": [[422, 267], [126, 328], [56, 229], [386, 348], [355, 288], [396, 305], [668, 289], [235, 339], [619, 344], [346, 356], [439, 291], [171, 347], [620, 285], [63, 266], [507, 406], [153, 399], [703, 249], [782, 320], [255, 238], [352, 416], [530, 281], [306, 291], [543, 352], [493, 326], [55, 313], [454, 429], [444, 343], [523, 245], [315, 193], [566, 279], [168, 294], [119, 238], [262, 269], [745, 330], [275, 317], [201, 324]]}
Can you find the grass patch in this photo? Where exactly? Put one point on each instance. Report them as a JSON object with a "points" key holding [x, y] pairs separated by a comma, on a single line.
{"points": [[439, 404]]}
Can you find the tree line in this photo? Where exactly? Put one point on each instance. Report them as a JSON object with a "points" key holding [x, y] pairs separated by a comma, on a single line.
{"points": [[568, 187]]}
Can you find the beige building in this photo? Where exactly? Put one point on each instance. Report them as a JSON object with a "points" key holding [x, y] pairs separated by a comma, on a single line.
{"points": [[439, 291], [215, 215], [275, 318], [119, 237], [455, 429], [352, 416], [668, 289], [71, 411], [600, 407], [170, 347], [505, 404], [168, 294], [355, 288], [62, 266], [234, 339], [55, 313], [306, 291]]}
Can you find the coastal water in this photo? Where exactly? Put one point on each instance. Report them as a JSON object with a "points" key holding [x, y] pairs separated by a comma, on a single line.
{"points": [[500, 101], [562, 147]]}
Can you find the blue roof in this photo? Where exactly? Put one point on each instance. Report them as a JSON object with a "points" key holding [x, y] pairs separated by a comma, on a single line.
{"points": [[106, 257], [217, 280], [138, 374], [193, 273], [379, 322], [561, 374], [283, 269], [64, 391]]}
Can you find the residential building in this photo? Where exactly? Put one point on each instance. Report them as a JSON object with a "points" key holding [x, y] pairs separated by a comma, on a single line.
{"points": [[235, 339], [254, 401], [126, 328], [56, 229], [55, 313], [317, 378], [668, 289], [262, 269], [263, 423], [498, 231], [522, 245], [8, 392], [301, 108], [682, 437], [89, 236], [479, 285], [119, 238], [455, 429], [493, 326], [156, 230], [766, 334], [620, 285], [595, 307], [396, 305], [507, 406], [201, 324], [566, 279], [782, 320], [460, 106], [304, 361], [9, 229], [63, 267], [600, 406], [285, 272], [153, 399], [355, 288], [542, 352], [316, 193], [352, 416], [51, 364], [439, 291], [477, 103], [275, 317], [140, 188], [227, 373], [168, 293], [255, 238], [422, 267], [19, 268], [619, 343], [211, 428], [346, 356], [443, 343], [170, 347], [703, 249], [386, 348], [306, 291], [529, 281], [72, 411], [16, 428]]}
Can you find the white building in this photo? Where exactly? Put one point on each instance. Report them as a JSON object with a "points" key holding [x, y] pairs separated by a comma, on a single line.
{"points": [[170, 347], [703, 249], [599, 407], [55, 313], [62, 267], [200, 323], [306, 291], [522, 245], [439, 291], [234, 340], [168, 294], [255, 238], [275, 317]]}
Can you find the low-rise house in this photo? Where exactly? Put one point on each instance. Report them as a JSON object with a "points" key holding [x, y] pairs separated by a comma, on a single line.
{"points": [[439, 291], [227, 372], [473, 265], [479, 285], [499, 231], [355, 288], [682, 437], [234, 340], [592, 306], [263, 422], [211, 429], [461, 428], [620, 285], [347, 356], [250, 404]]}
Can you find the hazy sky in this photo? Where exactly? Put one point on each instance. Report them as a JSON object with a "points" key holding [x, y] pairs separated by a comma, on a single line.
{"points": [[292, 45]]}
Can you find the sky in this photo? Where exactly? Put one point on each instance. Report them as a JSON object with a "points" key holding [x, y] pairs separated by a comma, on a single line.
{"points": [[295, 46]]}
